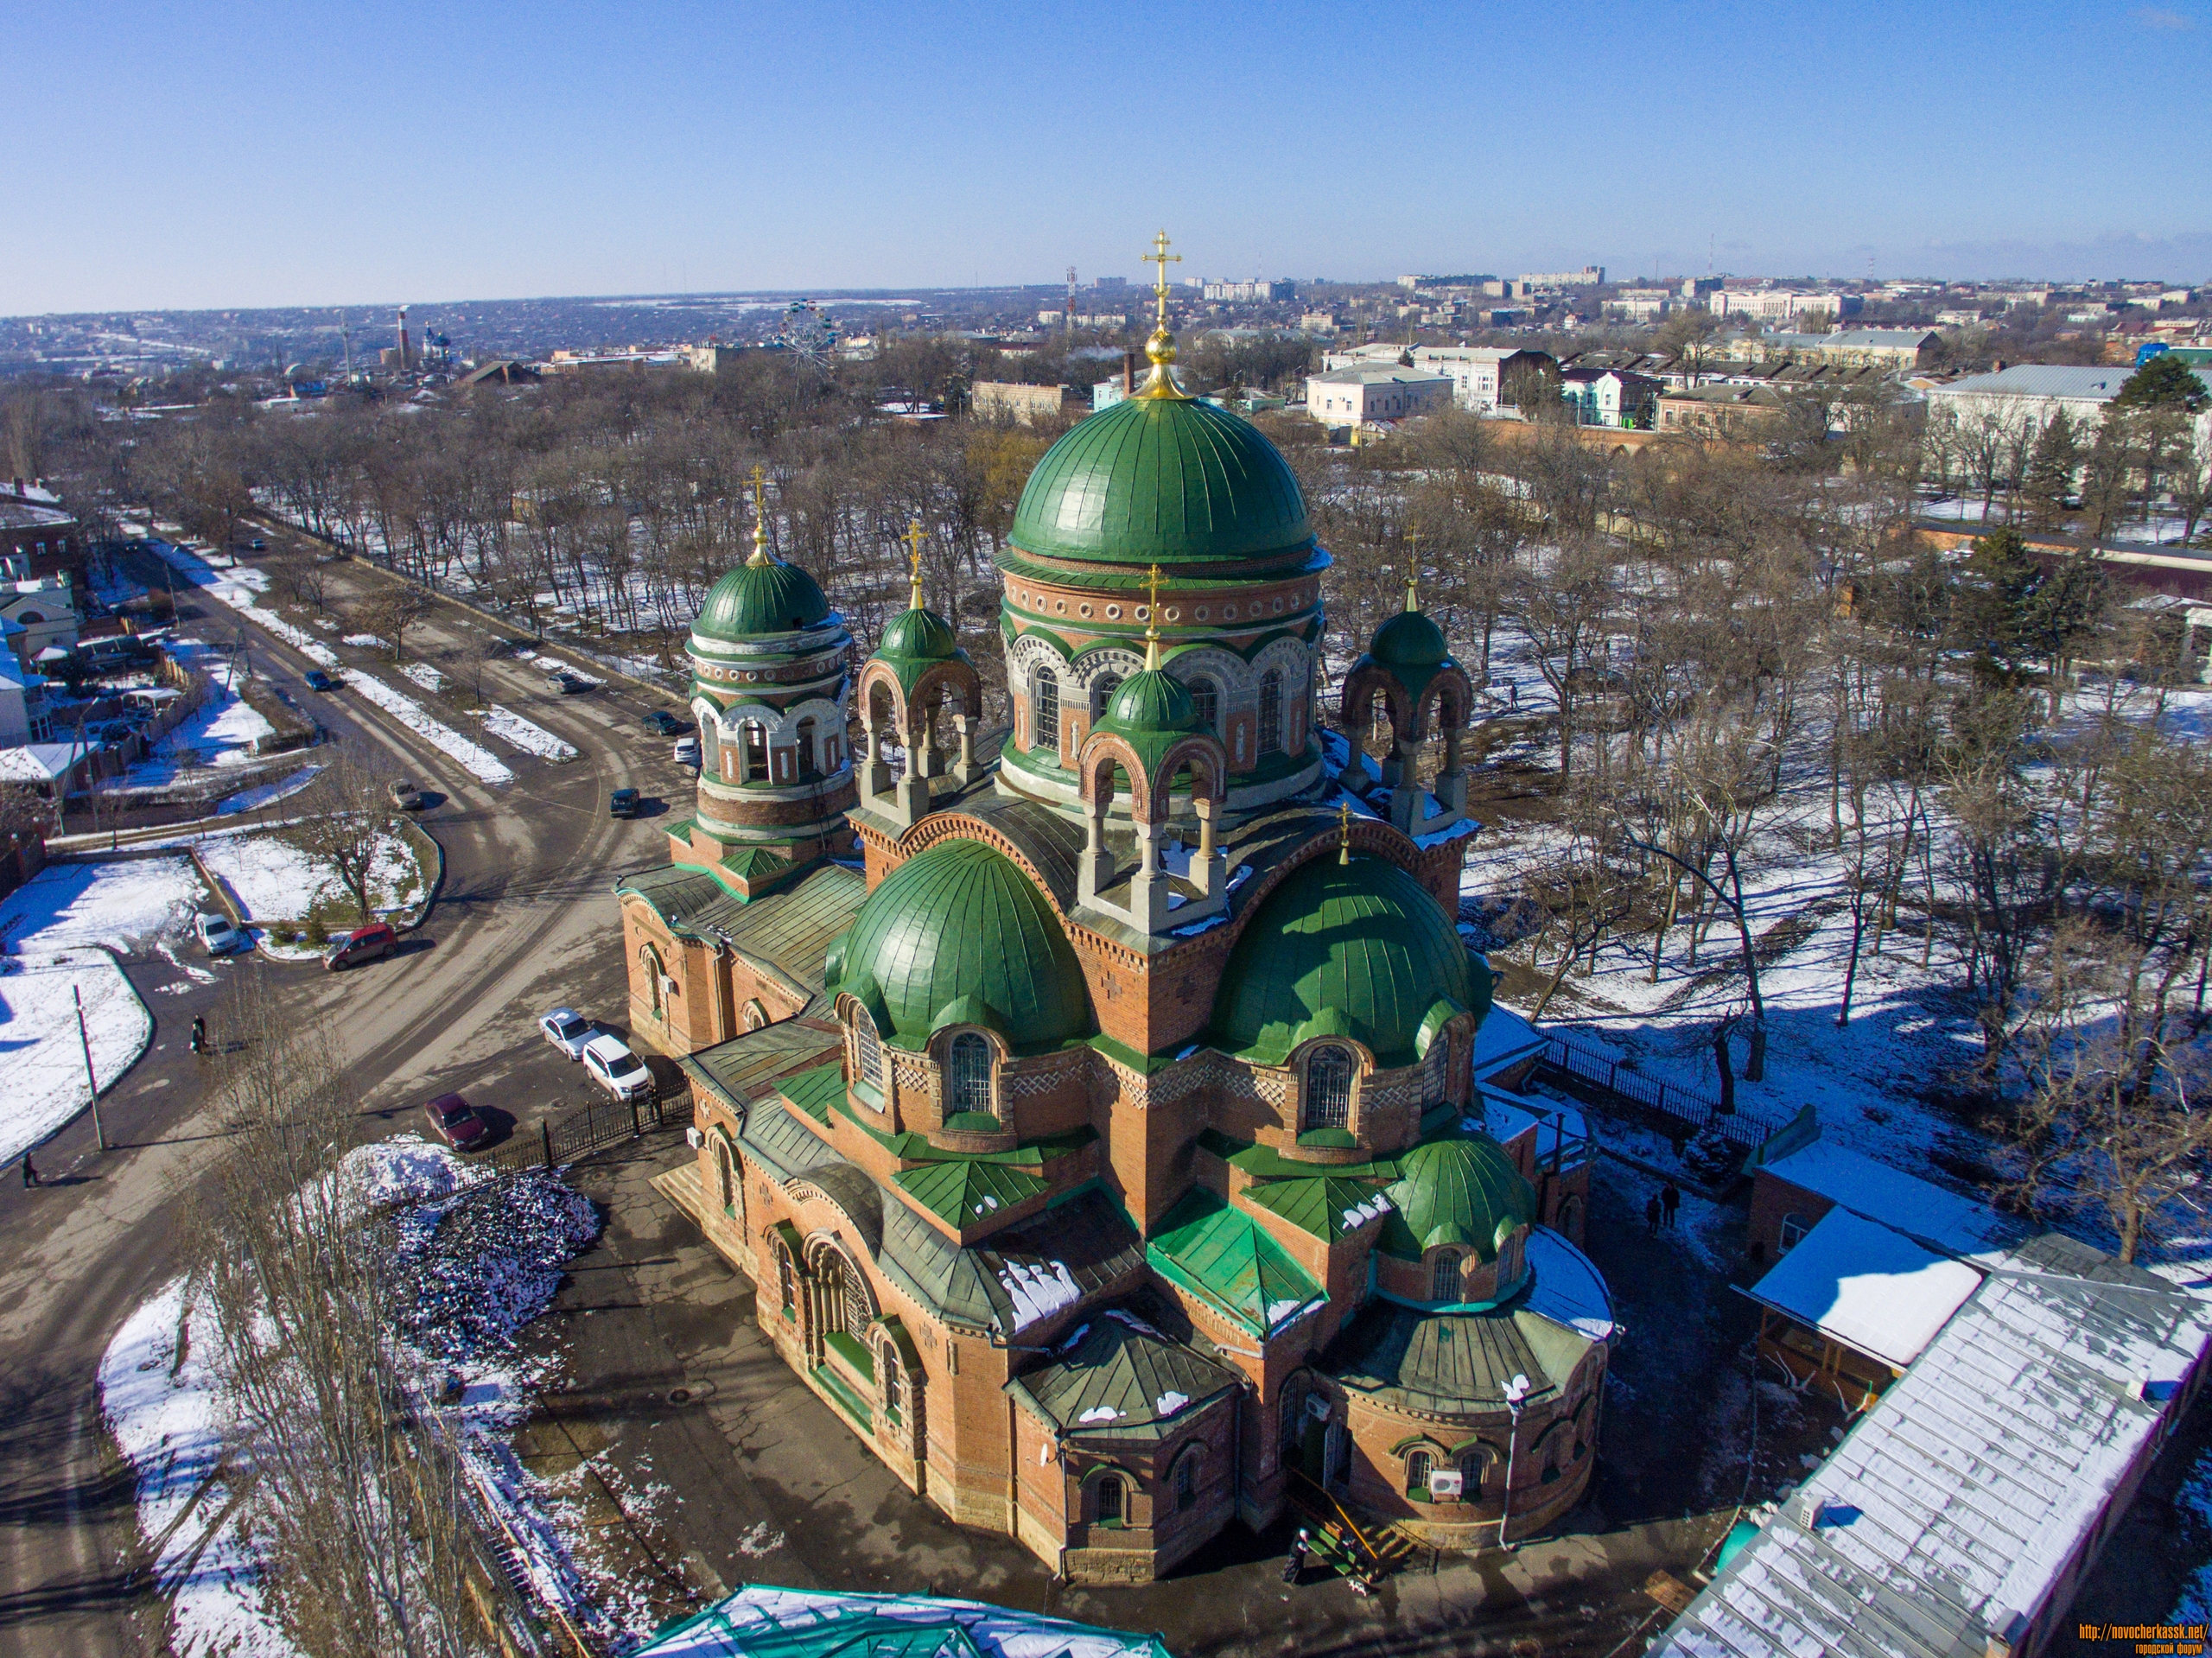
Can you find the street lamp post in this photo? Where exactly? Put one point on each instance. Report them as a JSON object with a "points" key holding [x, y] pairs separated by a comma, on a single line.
{"points": [[1516, 1391]]}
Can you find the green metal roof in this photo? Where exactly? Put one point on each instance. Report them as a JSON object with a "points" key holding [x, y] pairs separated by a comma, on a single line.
{"points": [[957, 935], [746, 1068], [1082, 1245], [779, 1141], [1159, 480], [765, 1621], [1459, 1189], [964, 1192], [783, 933], [920, 635], [1452, 1363], [1409, 640], [1118, 1378], [1325, 1206], [815, 1090], [1223, 1255], [1358, 949], [755, 600]]}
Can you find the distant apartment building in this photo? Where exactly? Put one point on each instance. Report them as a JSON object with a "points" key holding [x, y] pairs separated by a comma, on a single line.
{"points": [[592, 361], [1640, 304], [1318, 322], [1889, 348], [1419, 284], [2019, 402], [1588, 277], [1008, 400], [1478, 373], [1698, 290], [710, 358], [1355, 397], [1782, 304], [1110, 282], [1249, 293]]}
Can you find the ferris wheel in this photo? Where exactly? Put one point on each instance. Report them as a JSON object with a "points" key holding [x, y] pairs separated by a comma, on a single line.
{"points": [[809, 334]]}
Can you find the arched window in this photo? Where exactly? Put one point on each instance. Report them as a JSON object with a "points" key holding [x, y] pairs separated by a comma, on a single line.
{"points": [[753, 766], [1205, 696], [649, 959], [1108, 1502], [1417, 1466], [892, 1389], [756, 1015], [1570, 1214], [809, 769], [1186, 1481], [1444, 1278], [1044, 710], [968, 1074], [1293, 1419], [722, 1176], [867, 1050], [1103, 693], [1328, 1089], [786, 1283], [1434, 1067], [860, 1311], [1271, 712], [1793, 1228], [1471, 1464]]}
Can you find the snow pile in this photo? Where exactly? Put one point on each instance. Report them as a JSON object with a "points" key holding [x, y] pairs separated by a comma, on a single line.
{"points": [[553, 665], [1039, 1289], [1168, 1403], [425, 675], [1372, 1209], [511, 727], [1099, 1414], [117, 905], [480, 761], [305, 643], [267, 794], [47, 1085], [366, 642]]}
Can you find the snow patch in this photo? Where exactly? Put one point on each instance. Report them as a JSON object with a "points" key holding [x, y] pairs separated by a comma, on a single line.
{"points": [[1168, 1403], [511, 727], [47, 1085], [477, 760], [1038, 1289]]}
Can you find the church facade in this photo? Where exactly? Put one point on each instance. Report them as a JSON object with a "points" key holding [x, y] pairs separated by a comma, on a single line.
{"points": [[1090, 1101]]}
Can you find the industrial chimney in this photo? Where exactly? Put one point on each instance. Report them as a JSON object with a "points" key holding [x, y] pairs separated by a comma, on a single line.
{"points": [[405, 361]]}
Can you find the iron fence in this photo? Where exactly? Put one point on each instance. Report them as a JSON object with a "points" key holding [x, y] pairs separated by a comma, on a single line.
{"points": [[599, 1124], [1693, 1107]]}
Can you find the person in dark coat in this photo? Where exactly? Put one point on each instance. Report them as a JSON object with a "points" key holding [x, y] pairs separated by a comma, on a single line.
{"points": [[30, 1172], [199, 1033], [1670, 1198], [1293, 1568], [1652, 1213]]}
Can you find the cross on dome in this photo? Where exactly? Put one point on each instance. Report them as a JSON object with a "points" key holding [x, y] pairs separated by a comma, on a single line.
{"points": [[913, 539], [759, 519], [1160, 348]]}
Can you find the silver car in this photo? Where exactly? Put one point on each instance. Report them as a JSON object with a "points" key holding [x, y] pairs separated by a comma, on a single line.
{"points": [[567, 1030], [216, 934]]}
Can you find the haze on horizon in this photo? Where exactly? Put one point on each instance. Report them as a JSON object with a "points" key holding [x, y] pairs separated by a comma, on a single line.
{"points": [[183, 156]]}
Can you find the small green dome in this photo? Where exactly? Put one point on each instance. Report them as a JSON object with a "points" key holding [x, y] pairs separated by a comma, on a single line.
{"points": [[958, 935], [919, 636], [756, 599], [1462, 1191], [1152, 699], [1410, 640], [1358, 949], [1161, 479]]}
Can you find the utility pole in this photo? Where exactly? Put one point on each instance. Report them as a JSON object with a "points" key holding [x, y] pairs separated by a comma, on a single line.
{"points": [[99, 1135], [1067, 317]]}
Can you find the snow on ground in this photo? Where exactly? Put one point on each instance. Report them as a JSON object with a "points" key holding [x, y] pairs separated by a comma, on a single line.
{"points": [[481, 1258], [479, 760], [425, 675], [553, 665], [221, 731], [511, 727], [40, 1046], [118, 903], [366, 642], [239, 588], [275, 881], [267, 794]]}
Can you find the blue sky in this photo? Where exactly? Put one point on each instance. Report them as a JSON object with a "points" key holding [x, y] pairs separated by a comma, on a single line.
{"points": [[170, 153]]}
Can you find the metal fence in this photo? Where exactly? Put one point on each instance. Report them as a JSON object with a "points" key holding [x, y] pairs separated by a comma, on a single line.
{"points": [[602, 1123], [1693, 1107]]}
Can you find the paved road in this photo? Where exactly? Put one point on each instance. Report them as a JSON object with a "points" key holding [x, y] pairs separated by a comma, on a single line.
{"points": [[525, 920]]}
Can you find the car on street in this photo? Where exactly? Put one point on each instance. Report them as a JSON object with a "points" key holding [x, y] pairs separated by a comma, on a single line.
{"points": [[319, 681], [404, 795], [456, 1122], [562, 684], [623, 802], [258, 545], [664, 722], [567, 1030], [368, 943], [217, 936], [687, 750], [617, 1070]]}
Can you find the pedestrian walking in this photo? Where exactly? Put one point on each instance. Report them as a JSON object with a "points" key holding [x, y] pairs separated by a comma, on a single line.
{"points": [[1652, 1213], [199, 1033], [30, 1172], [1294, 1566], [1671, 1197]]}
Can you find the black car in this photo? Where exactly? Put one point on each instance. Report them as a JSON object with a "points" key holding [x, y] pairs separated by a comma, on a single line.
{"points": [[623, 802], [666, 723], [319, 681]]}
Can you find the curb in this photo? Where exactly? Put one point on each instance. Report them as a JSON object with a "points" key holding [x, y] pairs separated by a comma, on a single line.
{"points": [[409, 826]]}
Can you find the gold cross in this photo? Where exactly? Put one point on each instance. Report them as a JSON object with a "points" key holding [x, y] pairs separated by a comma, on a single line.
{"points": [[1413, 569], [759, 519], [1152, 590], [1344, 832], [1163, 258], [913, 539]]}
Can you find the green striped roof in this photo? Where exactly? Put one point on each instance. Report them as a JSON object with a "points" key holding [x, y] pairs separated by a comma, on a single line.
{"points": [[966, 1193], [1223, 1255], [1118, 1378], [1459, 1189], [1327, 1206]]}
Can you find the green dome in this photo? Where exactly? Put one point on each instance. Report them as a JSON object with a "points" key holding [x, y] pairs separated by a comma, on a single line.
{"points": [[956, 934], [1157, 479], [1358, 949], [919, 636], [1462, 1191], [1409, 640], [757, 599], [1152, 700]]}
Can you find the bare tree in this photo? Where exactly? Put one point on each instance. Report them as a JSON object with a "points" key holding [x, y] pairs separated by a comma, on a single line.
{"points": [[391, 611], [345, 821]]}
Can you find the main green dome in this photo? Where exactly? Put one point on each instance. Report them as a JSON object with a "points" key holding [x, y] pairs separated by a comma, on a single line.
{"points": [[1464, 1190], [1358, 949], [770, 597], [1166, 481], [957, 935]]}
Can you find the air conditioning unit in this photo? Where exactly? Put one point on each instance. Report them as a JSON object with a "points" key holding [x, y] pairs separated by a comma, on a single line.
{"points": [[667, 987], [1806, 1508], [1446, 1482], [695, 1138]]}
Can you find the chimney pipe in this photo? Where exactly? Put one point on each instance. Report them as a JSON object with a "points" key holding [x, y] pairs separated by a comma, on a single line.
{"points": [[1128, 373], [402, 337]]}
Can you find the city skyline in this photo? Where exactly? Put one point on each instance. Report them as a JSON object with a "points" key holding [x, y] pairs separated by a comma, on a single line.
{"points": [[179, 158]]}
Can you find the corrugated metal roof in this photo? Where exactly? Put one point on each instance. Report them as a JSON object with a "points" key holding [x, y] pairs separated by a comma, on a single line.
{"points": [[1961, 1499], [1085, 1244], [1118, 1378], [2100, 384], [744, 1068], [785, 933], [1222, 1255]]}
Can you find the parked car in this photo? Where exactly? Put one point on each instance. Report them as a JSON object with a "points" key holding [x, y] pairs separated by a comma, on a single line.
{"points": [[567, 1030], [217, 936], [623, 802], [456, 1122], [319, 681], [562, 684], [258, 545], [617, 1070], [666, 723], [405, 796], [368, 943], [687, 750]]}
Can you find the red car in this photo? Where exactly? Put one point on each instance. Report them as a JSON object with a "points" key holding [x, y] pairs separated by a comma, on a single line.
{"points": [[456, 1122]]}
